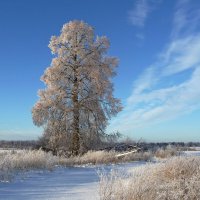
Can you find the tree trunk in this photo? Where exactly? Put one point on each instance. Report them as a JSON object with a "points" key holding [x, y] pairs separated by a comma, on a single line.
{"points": [[75, 124]]}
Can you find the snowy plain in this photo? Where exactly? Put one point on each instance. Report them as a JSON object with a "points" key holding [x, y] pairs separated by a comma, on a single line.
{"points": [[191, 153], [70, 183], [63, 183]]}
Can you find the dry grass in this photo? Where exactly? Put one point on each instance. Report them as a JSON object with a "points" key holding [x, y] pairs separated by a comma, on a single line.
{"points": [[166, 153], [176, 179], [104, 157], [138, 156], [91, 157], [13, 161]]}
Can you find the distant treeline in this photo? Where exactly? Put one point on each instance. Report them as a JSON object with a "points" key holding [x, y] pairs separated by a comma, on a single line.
{"points": [[35, 144], [155, 145], [18, 144]]}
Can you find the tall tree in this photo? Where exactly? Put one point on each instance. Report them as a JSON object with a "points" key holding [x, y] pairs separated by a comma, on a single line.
{"points": [[78, 98]]}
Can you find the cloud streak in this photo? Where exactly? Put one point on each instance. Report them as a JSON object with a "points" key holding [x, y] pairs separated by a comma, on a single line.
{"points": [[168, 88], [141, 10], [139, 13]]}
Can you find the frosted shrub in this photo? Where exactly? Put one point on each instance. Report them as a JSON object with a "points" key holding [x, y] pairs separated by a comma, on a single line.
{"points": [[5, 169], [34, 159], [91, 157], [144, 156], [104, 157], [98, 157], [25, 160], [177, 178], [166, 153]]}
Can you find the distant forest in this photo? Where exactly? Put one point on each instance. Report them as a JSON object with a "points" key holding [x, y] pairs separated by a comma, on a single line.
{"points": [[35, 144], [24, 144]]}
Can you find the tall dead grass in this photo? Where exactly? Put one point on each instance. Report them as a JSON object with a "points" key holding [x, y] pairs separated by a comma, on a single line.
{"points": [[168, 152], [176, 179], [91, 157], [104, 157], [13, 161]]}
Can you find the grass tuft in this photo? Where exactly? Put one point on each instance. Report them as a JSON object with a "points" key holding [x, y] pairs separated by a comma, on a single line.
{"points": [[176, 178]]}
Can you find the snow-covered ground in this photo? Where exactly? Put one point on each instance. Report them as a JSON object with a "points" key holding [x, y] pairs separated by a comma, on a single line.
{"points": [[8, 150], [191, 153], [196, 148], [72, 183]]}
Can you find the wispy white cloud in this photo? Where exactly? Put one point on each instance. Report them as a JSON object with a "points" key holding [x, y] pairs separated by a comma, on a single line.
{"points": [[139, 13], [159, 105], [141, 10], [186, 19], [156, 97], [140, 36]]}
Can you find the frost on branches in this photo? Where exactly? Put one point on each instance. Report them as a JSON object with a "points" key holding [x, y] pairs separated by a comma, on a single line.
{"points": [[78, 99]]}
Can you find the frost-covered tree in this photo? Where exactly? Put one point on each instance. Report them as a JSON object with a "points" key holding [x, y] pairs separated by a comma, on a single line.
{"points": [[78, 99]]}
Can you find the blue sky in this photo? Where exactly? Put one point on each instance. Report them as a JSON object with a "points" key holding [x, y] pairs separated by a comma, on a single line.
{"points": [[156, 41]]}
